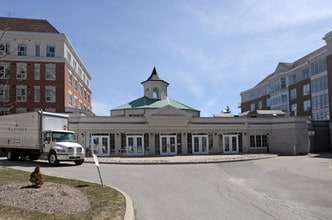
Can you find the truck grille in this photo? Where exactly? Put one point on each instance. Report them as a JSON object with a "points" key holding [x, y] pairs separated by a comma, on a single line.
{"points": [[70, 150]]}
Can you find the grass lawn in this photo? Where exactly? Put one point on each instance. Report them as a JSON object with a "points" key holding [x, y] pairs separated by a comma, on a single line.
{"points": [[105, 202]]}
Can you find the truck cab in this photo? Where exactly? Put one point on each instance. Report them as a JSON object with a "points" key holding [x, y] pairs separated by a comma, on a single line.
{"points": [[61, 145]]}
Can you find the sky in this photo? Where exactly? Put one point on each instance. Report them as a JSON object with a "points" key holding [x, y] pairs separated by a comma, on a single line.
{"points": [[209, 51]]}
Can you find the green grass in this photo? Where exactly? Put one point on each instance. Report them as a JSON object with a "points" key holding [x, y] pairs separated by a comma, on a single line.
{"points": [[105, 202]]}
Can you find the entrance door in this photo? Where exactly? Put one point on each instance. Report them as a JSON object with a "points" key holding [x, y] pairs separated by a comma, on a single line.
{"points": [[231, 144], [100, 145], [200, 144], [135, 145], [168, 145]]}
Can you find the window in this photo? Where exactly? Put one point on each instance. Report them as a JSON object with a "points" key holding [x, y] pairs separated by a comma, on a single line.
{"points": [[4, 93], [81, 105], [319, 84], [258, 141], [318, 66], [37, 71], [252, 107], [292, 79], [70, 79], [294, 109], [50, 51], [50, 94], [75, 102], [305, 73], [306, 89], [306, 105], [37, 50], [155, 94], [21, 70], [68, 56], [37, 94], [4, 70], [260, 105], [320, 102], [283, 82], [80, 90], [252, 95], [74, 64], [21, 93], [22, 50], [70, 98], [4, 49], [80, 72], [293, 93], [75, 84], [50, 71]]}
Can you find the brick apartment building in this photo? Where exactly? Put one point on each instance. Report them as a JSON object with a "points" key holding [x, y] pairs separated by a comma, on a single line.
{"points": [[301, 88], [39, 69]]}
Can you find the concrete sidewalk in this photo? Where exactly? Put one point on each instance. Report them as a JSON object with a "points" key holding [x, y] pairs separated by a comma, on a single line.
{"points": [[185, 159]]}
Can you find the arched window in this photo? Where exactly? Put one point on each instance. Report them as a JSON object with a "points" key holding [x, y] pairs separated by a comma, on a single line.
{"points": [[147, 92], [155, 93]]}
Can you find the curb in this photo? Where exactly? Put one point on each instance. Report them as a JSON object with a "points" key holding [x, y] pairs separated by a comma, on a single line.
{"points": [[180, 160]]}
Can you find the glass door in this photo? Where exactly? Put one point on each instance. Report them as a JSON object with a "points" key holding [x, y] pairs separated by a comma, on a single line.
{"points": [[200, 144], [230, 144], [135, 145], [168, 145], [100, 145]]}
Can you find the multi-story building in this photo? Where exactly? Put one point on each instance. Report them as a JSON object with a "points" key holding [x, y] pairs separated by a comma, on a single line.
{"points": [[301, 88], [40, 69]]}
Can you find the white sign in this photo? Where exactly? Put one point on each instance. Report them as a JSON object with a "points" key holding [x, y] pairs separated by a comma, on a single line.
{"points": [[95, 158]]}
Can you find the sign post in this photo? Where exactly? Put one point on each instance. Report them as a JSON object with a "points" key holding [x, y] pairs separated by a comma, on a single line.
{"points": [[95, 158]]}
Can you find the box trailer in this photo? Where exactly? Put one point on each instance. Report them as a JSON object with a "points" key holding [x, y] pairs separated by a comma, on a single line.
{"points": [[41, 135]]}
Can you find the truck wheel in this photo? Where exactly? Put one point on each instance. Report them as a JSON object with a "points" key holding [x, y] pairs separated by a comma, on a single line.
{"points": [[12, 155], [52, 159], [79, 162]]}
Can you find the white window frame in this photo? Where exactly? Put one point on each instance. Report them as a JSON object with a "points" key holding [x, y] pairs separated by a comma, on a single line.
{"points": [[37, 71], [50, 94], [21, 93], [21, 71], [36, 91], [50, 72], [22, 50], [50, 51], [4, 93], [5, 72]]}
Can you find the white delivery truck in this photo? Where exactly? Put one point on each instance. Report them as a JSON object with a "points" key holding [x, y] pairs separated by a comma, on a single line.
{"points": [[41, 135]]}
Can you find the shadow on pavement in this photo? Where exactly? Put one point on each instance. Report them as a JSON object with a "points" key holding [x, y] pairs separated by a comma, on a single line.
{"points": [[326, 155], [30, 163]]}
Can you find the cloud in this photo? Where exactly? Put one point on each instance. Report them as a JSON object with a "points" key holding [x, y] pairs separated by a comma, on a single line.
{"points": [[245, 17]]}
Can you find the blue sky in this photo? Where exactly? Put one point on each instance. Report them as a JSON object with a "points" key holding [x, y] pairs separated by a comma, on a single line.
{"points": [[207, 50]]}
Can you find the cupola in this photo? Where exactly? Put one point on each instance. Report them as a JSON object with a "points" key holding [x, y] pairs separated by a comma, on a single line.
{"points": [[154, 87]]}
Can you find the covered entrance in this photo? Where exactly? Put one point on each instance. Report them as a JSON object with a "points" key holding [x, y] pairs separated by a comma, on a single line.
{"points": [[100, 145], [168, 145], [231, 144], [135, 145], [200, 144]]}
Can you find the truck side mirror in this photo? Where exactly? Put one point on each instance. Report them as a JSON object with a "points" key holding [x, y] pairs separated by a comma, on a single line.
{"points": [[47, 140]]}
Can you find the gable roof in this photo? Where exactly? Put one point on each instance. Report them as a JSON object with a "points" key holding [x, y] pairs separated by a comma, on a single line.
{"points": [[28, 25], [145, 102]]}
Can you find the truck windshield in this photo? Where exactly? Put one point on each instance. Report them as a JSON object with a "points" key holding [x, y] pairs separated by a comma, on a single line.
{"points": [[63, 137]]}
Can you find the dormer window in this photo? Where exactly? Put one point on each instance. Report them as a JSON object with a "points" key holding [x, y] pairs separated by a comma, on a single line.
{"points": [[155, 94]]}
